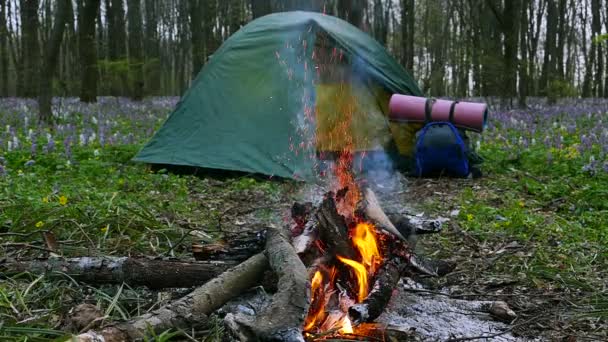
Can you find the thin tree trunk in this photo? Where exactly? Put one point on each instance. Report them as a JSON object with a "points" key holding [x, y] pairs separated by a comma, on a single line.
{"points": [[606, 24], [29, 43], [210, 12], [136, 58], [197, 36], [153, 67], [523, 46], [260, 8], [87, 13], [51, 54], [117, 43], [408, 20], [561, 39], [352, 11], [3, 51], [511, 32], [596, 28], [549, 64]]}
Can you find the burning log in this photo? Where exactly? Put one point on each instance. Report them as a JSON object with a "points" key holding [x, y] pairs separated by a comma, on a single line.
{"points": [[153, 273], [333, 230], [190, 310], [283, 319], [386, 281]]}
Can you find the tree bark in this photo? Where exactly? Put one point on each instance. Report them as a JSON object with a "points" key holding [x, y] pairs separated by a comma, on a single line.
{"points": [[87, 13], [153, 273], [49, 66], [136, 58], [152, 70], [606, 24], [596, 28], [352, 11], [4, 87], [408, 20], [523, 48], [511, 14], [197, 36], [260, 8], [30, 47], [116, 81], [191, 310], [211, 42]]}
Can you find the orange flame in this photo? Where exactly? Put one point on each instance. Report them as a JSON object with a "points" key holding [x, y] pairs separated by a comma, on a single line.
{"points": [[361, 274], [317, 294], [364, 239]]}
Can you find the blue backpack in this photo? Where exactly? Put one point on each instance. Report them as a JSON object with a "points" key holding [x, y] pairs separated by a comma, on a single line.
{"points": [[440, 148]]}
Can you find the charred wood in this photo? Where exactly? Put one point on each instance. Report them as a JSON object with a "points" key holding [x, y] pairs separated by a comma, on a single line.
{"points": [[431, 267], [386, 281], [333, 230], [409, 226]]}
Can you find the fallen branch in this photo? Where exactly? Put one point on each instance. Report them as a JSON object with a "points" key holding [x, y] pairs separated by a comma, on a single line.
{"points": [[283, 319], [153, 273], [191, 310]]}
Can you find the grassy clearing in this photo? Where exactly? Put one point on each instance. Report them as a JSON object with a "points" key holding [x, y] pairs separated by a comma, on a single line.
{"points": [[534, 230], [76, 182], [537, 221]]}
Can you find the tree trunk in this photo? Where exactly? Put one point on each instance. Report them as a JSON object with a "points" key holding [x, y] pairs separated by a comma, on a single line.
{"points": [[197, 36], [152, 69], [29, 43], [408, 19], [87, 13], [523, 46], [606, 24], [352, 11], [117, 44], [561, 39], [210, 12], [260, 8], [236, 15], [511, 33], [3, 51], [596, 28], [51, 54], [549, 64], [136, 58]]}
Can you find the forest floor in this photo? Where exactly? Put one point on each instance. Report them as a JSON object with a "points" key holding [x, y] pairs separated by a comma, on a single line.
{"points": [[532, 232]]}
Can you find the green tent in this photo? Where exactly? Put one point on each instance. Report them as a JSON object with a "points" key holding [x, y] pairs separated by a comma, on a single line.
{"points": [[279, 93]]}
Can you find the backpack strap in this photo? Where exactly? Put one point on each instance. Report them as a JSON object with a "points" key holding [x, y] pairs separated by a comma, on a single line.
{"points": [[428, 108], [452, 107]]}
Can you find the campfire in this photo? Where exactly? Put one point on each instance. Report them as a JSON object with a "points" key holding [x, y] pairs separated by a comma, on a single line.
{"points": [[355, 258]]}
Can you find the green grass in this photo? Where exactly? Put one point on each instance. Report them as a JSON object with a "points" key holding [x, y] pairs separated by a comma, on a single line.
{"points": [[556, 211], [101, 203]]}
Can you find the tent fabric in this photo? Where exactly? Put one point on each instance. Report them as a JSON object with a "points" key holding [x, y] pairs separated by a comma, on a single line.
{"points": [[249, 109]]}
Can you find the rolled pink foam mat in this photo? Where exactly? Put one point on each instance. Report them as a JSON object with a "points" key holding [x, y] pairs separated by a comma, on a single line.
{"points": [[467, 115]]}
